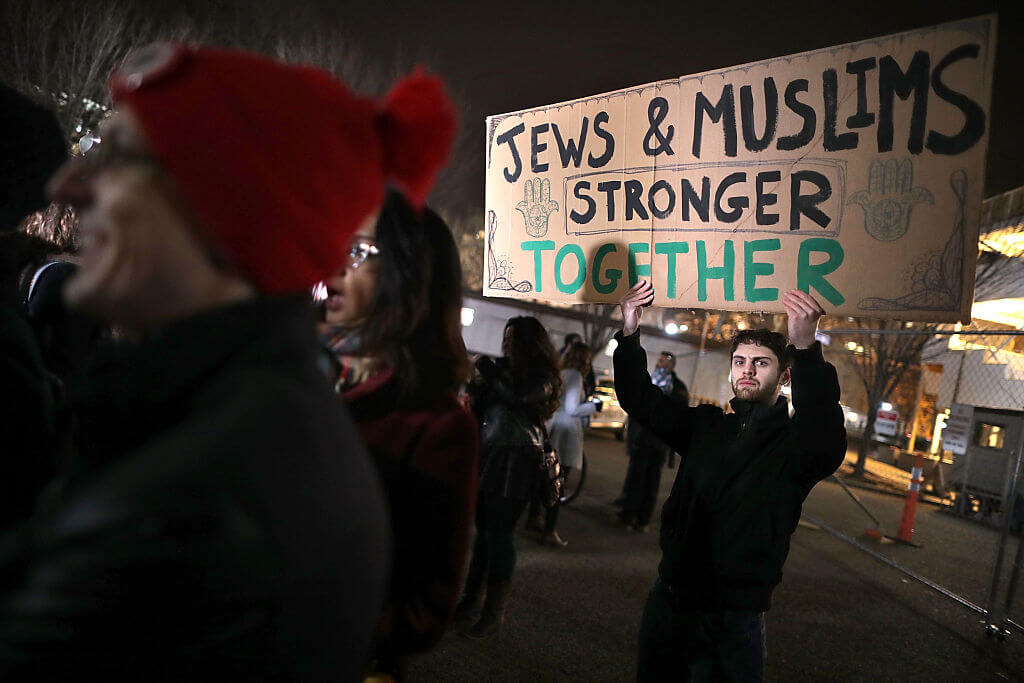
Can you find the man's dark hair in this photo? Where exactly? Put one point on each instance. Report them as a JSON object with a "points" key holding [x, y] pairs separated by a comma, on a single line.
{"points": [[669, 354], [776, 342], [570, 338]]}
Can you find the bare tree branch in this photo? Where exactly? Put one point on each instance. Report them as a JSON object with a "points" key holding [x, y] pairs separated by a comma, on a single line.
{"points": [[600, 325], [61, 54], [881, 361]]}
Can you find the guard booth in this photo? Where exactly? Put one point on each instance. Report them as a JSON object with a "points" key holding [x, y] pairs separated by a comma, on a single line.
{"points": [[981, 475]]}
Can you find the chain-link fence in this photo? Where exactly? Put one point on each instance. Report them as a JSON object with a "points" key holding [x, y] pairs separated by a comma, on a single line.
{"points": [[936, 496]]}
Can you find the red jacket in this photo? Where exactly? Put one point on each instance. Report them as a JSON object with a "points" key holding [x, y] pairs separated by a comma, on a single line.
{"points": [[428, 460]]}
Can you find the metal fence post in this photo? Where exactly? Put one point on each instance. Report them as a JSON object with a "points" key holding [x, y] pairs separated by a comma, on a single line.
{"points": [[1011, 589], [995, 623], [962, 499]]}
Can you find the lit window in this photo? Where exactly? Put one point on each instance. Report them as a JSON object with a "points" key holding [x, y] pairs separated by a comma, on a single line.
{"points": [[989, 435]]}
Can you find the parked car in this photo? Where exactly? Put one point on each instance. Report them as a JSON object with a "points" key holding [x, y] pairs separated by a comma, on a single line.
{"points": [[612, 416], [855, 421]]}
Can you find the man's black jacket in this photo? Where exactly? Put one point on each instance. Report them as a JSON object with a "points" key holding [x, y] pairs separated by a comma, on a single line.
{"points": [[228, 525], [736, 500]]}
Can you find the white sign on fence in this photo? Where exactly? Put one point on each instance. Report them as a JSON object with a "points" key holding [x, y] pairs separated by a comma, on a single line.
{"points": [[887, 423], [957, 434]]}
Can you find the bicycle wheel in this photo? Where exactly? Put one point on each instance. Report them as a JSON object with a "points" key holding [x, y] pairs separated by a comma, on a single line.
{"points": [[573, 483]]}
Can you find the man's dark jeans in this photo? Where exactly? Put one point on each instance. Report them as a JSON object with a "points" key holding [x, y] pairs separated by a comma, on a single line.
{"points": [[682, 645]]}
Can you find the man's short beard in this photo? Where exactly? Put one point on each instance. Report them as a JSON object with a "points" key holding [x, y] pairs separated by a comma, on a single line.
{"points": [[756, 395]]}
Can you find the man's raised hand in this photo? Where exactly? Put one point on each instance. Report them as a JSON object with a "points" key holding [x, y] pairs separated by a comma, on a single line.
{"points": [[639, 295], [803, 313]]}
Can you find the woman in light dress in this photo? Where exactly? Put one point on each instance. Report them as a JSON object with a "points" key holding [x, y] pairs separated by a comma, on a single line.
{"points": [[565, 428]]}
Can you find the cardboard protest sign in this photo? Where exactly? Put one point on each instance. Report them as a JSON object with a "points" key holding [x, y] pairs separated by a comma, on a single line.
{"points": [[853, 172]]}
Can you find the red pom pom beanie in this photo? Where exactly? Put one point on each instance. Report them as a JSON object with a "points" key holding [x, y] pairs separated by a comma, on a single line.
{"points": [[282, 163]]}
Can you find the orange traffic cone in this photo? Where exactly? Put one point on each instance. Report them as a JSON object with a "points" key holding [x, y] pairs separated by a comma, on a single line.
{"points": [[906, 530]]}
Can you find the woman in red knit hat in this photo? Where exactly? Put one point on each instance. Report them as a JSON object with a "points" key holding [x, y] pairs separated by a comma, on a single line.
{"points": [[398, 304], [226, 522]]}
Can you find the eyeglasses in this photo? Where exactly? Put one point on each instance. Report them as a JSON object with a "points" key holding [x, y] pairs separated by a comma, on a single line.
{"points": [[360, 250], [102, 155]]}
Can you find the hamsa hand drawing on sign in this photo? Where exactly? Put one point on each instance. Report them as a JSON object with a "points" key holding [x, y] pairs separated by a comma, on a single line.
{"points": [[537, 206], [889, 199]]}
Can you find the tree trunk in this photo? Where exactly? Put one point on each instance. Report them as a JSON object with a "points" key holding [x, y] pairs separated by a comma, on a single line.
{"points": [[599, 328], [866, 438]]}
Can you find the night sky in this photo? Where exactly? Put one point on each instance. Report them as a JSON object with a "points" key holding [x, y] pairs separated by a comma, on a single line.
{"points": [[500, 58]]}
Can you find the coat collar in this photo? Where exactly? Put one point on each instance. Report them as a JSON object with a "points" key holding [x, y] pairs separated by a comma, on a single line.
{"points": [[133, 390], [373, 398], [757, 411]]}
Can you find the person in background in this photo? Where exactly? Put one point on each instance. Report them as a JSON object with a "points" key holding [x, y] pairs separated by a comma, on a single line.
{"points": [[67, 338], [231, 525], [31, 149], [647, 453], [589, 380], [512, 398], [568, 341], [565, 429], [68, 341], [396, 305], [667, 362]]}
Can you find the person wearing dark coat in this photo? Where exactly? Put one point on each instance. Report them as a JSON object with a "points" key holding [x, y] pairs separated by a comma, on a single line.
{"points": [[213, 491], [737, 496], [647, 453], [28, 420], [229, 524], [512, 398], [31, 149], [66, 338], [397, 307], [427, 458]]}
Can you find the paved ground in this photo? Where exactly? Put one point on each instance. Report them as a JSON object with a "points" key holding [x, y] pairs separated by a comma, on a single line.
{"points": [[839, 615]]}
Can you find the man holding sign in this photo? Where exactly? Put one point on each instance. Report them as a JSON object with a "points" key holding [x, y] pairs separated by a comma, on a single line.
{"points": [[737, 498]]}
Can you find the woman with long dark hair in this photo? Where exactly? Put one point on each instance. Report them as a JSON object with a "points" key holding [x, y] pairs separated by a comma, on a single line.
{"points": [[397, 307], [565, 427], [512, 398]]}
